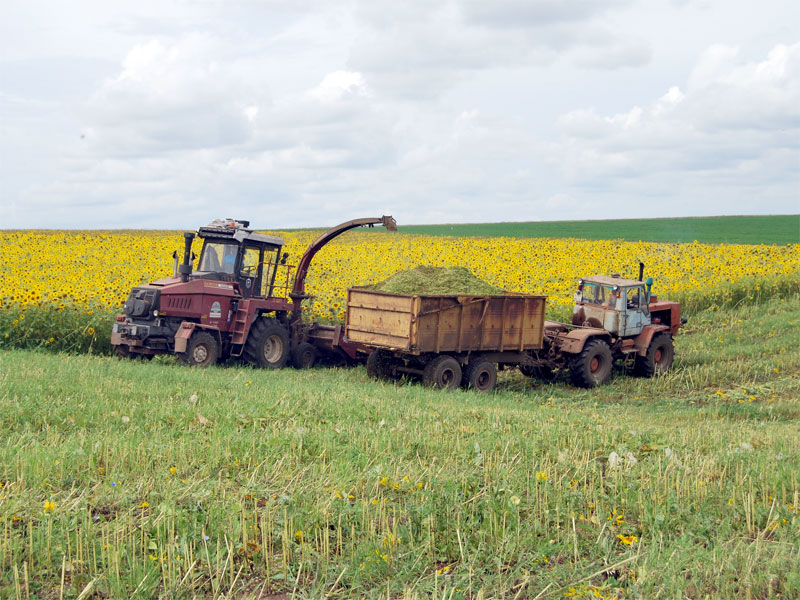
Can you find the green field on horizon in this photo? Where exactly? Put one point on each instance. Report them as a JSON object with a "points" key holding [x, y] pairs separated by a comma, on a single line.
{"points": [[753, 229]]}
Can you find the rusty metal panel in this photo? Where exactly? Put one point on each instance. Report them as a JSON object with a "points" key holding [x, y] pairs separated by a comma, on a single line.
{"points": [[379, 319]]}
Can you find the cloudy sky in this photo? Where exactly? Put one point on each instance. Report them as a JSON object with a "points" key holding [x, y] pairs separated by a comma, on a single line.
{"points": [[168, 114]]}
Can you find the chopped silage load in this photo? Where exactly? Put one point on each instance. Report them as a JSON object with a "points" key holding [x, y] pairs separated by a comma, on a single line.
{"points": [[436, 281]]}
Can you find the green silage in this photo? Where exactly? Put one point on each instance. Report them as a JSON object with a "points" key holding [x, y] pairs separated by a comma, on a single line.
{"points": [[433, 281]]}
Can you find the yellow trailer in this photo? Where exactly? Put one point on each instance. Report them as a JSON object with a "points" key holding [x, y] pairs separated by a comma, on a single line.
{"points": [[435, 336]]}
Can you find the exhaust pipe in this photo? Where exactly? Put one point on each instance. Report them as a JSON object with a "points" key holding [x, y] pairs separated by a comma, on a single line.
{"points": [[641, 270], [186, 268]]}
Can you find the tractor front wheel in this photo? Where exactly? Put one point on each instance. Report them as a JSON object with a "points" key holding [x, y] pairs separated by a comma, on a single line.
{"points": [[592, 366], [658, 358], [442, 372], [267, 345], [122, 351], [201, 351]]}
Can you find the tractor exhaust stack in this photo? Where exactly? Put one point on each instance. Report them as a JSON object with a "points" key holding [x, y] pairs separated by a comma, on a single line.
{"points": [[186, 268]]}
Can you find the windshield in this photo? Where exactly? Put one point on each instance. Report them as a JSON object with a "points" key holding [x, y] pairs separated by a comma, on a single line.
{"points": [[595, 293], [218, 257]]}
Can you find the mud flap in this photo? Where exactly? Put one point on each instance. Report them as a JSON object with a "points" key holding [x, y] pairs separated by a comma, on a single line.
{"points": [[183, 335]]}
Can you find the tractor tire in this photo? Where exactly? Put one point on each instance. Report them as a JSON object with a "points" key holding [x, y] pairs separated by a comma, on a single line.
{"points": [[480, 375], [539, 372], [201, 351], [592, 366], [267, 345], [658, 358], [443, 372], [122, 351], [379, 365], [304, 355]]}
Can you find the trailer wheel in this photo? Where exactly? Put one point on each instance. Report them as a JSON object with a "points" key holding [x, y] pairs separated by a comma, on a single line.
{"points": [[267, 345], [480, 375], [304, 355], [201, 351], [592, 366], [379, 365], [442, 372], [658, 358]]}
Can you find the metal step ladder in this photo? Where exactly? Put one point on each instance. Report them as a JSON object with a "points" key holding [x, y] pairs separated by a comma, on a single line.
{"points": [[239, 331]]}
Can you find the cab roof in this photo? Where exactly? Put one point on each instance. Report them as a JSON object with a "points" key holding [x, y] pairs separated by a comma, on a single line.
{"points": [[228, 229], [612, 280]]}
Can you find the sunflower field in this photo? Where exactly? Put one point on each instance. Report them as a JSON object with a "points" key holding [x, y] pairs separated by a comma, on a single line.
{"points": [[61, 289]]}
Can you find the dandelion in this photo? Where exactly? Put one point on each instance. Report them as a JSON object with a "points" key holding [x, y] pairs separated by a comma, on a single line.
{"points": [[298, 536], [627, 540], [541, 476], [49, 506], [173, 470], [144, 505]]}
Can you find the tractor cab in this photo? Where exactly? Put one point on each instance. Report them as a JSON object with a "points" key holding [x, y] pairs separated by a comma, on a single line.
{"points": [[620, 306], [231, 252]]}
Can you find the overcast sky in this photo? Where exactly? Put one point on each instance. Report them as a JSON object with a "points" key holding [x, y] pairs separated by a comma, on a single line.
{"points": [[158, 114]]}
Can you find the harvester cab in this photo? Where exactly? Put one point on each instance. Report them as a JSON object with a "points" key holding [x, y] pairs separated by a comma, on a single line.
{"points": [[232, 252]]}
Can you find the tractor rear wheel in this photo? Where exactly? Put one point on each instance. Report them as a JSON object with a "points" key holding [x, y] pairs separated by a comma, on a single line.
{"points": [[267, 345], [592, 366], [480, 375], [379, 365], [201, 351], [304, 355], [658, 358], [442, 372]]}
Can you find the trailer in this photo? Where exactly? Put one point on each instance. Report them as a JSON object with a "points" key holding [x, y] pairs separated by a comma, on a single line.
{"points": [[462, 340], [446, 340]]}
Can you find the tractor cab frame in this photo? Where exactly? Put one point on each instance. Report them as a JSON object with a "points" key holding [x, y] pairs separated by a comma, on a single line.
{"points": [[620, 306]]}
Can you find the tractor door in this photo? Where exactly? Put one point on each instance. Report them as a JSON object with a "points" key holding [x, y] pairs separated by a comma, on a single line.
{"points": [[249, 276], [635, 314]]}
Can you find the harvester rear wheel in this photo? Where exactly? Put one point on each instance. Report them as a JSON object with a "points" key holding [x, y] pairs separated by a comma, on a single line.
{"points": [[592, 366], [379, 365], [480, 375], [304, 355], [442, 372], [201, 351], [658, 358], [267, 345]]}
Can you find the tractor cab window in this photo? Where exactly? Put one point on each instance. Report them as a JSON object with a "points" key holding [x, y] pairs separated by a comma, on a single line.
{"points": [[633, 299], [594, 293], [218, 257]]}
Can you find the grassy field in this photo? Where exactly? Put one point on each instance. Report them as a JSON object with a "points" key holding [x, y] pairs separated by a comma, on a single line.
{"points": [[772, 229], [145, 480]]}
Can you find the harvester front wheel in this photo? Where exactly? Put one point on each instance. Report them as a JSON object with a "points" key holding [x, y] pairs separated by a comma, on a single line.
{"points": [[267, 345], [658, 358], [201, 351], [592, 366], [480, 375], [442, 372]]}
